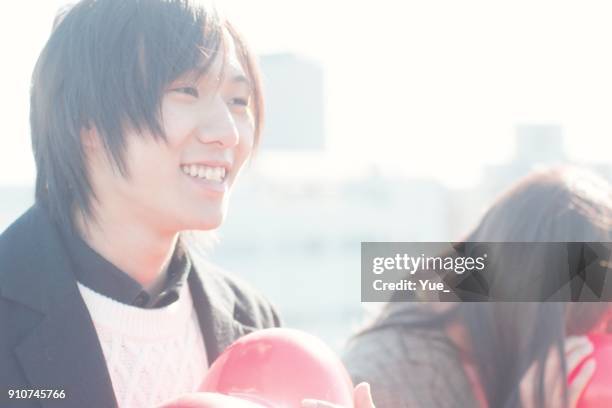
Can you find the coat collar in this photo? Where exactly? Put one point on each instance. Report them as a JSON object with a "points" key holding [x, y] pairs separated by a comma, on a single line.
{"points": [[216, 313], [61, 350]]}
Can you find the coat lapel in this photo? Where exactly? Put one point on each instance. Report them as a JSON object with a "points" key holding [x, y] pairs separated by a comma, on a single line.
{"points": [[61, 351], [214, 302]]}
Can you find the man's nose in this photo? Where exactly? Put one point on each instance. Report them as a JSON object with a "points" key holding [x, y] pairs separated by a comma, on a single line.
{"points": [[218, 125]]}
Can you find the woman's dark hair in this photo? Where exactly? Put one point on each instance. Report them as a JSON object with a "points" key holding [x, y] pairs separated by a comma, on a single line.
{"points": [[106, 66], [561, 204]]}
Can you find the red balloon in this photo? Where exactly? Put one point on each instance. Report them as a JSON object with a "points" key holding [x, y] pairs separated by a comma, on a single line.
{"points": [[208, 400], [279, 368], [598, 391]]}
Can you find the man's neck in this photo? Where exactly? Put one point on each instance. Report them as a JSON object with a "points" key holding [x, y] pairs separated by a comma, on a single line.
{"points": [[134, 248]]}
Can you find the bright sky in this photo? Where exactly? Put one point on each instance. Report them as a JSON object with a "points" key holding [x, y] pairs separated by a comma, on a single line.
{"points": [[423, 88]]}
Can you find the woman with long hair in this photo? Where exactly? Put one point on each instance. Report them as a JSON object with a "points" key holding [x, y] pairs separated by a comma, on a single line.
{"points": [[496, 354]]}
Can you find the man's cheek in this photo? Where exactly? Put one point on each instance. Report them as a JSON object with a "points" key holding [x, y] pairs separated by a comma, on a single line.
{"points": [[245, 145]]}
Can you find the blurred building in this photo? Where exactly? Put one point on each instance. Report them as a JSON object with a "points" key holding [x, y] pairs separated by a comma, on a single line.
{"points": [[536, 146], [295, 103]]}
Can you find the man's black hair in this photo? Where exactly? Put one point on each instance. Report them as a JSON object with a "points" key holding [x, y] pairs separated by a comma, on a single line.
{"points": [[106, 66]]}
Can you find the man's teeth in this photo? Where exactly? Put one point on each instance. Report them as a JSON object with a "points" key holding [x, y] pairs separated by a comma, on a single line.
{"points": [[205, 172]]}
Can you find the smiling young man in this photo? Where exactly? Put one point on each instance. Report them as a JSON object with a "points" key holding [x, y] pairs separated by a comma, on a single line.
{"points": [[143, 114]]}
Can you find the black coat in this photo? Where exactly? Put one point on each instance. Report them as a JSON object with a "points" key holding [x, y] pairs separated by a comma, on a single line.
{"points": [[47, 338]]}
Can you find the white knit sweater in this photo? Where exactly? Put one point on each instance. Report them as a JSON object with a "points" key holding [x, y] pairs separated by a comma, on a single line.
{"points": [[152, 355]]}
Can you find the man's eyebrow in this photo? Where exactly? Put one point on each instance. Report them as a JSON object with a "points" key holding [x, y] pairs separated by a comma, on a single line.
{"points": [[240, 78], [196, 75]]}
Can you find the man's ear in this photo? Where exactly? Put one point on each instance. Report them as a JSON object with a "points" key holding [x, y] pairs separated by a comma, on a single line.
{"points": [[90, 139], [96, 155]]}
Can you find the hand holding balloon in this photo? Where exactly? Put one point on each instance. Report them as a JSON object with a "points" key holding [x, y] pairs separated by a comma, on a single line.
{"points": [[280, 367], [208, 400], [597, 391], [277, 368], [578, 350], [362, 398]]}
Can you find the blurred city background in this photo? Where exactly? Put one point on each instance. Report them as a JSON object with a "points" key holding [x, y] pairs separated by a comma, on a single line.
{"points": [[405, 132]]}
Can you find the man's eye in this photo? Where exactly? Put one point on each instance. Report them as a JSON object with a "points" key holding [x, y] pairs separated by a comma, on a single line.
{"points": [[239, 102], [189, 90]]}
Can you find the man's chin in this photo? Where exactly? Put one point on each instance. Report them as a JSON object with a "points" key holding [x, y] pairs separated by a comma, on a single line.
{"points": [[210, 222], [205, 219]]}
